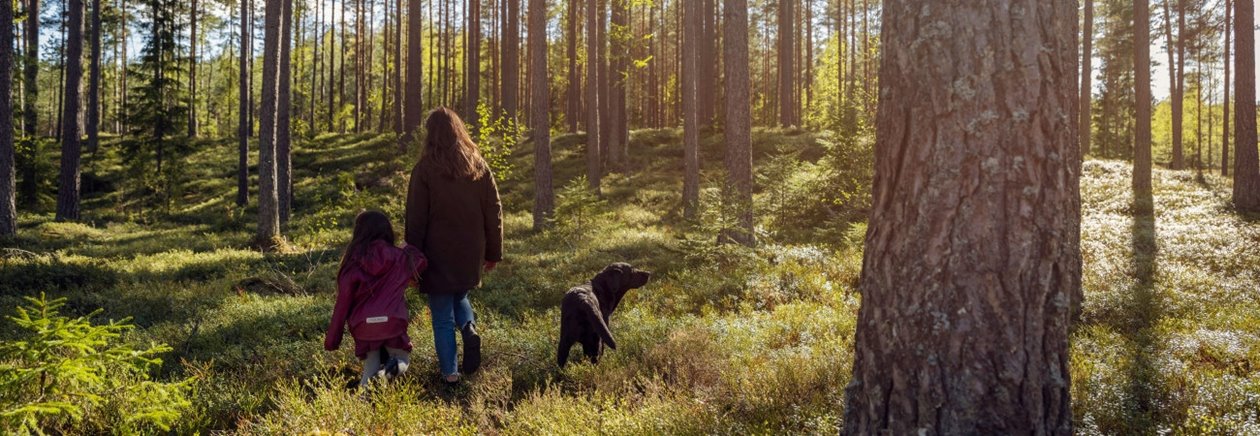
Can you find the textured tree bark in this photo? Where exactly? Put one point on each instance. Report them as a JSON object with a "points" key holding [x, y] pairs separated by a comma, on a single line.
{"points": [[706, 64], [30, 116], [284, 113], [739, 182], [691, 126], [244, 121], [268, 192], [8, 200], [71, 148], [415, 77], [1225, 118], [1087, 75], [540, 119], [1246, 161], [972, 253], [511, 59], [594, 163], [1142, 98]]}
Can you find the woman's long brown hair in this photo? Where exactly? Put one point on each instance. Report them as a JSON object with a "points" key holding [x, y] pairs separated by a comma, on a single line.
{"points": [[449, 149], [369, 227]]}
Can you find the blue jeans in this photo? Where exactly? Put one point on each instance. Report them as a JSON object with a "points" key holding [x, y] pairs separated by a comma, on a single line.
{"points": [[448, 311]]}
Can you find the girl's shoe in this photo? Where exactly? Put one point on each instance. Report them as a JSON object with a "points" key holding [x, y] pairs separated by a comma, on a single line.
{"points": [[472, 349]]}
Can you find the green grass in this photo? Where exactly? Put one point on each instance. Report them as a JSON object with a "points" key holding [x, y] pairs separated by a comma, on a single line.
{"points": [[724, 340]]}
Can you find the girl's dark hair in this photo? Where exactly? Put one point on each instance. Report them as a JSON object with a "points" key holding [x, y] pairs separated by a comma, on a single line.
{"points": [[370, 226], [449, 149]]}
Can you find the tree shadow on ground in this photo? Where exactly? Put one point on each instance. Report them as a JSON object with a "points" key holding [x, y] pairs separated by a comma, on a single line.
{"points": [[1144, 309]]}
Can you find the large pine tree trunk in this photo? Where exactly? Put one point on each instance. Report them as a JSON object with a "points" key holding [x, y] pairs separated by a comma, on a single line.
{"points": [[972, 254], [68, 190], [739, 182], [415, 78], [594, 163], [94, 81], [540, 118], [8, 200], [473, 67], [511, 58], [244, 121], [691, 131], [268, 192], [284, 113], [1087, 75], [30, 116], [706, 66], [1225, 118], [787, 73], [1246, 161], [1142, 99]]}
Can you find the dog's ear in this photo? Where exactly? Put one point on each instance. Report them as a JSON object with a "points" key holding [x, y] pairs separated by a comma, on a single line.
{"points": [[608, 280]]}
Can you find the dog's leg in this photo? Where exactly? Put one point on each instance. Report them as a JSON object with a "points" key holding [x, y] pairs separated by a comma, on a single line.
{"points": [[562, 353], [591, 347]]}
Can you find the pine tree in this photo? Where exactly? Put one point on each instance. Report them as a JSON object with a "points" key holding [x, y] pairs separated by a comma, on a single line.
{"points": [[594, 162], [691, 133], [8, 202], [958, 257], [1246, 159], [739, 183], [540, 118], [71, 148]]}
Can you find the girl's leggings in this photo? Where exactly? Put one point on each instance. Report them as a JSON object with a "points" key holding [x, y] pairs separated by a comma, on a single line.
{"points": [[393, 365]]}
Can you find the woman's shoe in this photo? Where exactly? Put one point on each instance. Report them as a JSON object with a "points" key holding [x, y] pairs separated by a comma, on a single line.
{"points": [[472, 349], [451, 380]]}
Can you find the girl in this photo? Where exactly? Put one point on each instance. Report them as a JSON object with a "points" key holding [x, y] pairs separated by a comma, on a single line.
{"points": [[371, 283], [454, 214]]}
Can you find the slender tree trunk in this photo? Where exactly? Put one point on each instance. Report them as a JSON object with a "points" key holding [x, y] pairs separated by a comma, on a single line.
{"points": [[511, 61], [243, 119], [317, 67], [963, 326], [473, 68], [540, 118], [786, 62], [30, 115], [1246, 161], [618, 51], [8, 198], [192, 72], [1142, 98], [358, 66], [706, 64], [268, 191], [1176, 87], [1225, 132], [94, 81], [1087, 75], [383, 118], [739, 182], [606, 127], [398, 67], [284, 113], [415, 77], [341, 79], [594, 163], [691, 132], [61, 79], [575, 81], [68, 191]]}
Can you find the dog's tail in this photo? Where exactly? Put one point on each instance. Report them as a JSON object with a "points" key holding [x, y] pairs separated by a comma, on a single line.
{"points": [[601, 327]]}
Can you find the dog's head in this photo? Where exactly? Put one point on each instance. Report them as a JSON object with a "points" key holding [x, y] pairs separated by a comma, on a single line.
{"points": [[615, 280]]}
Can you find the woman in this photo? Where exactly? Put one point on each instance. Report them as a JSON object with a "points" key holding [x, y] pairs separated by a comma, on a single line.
{"points": [[455, 218]]}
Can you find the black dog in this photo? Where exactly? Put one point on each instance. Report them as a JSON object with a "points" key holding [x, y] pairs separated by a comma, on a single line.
{"points": [[585, 310]]}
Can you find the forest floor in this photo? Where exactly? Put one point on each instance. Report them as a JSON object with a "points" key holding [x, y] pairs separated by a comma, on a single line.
{"points": [[723, 340]]}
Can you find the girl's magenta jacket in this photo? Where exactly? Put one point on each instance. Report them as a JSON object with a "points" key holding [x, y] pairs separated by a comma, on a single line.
{"points": [[371, 294]]}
